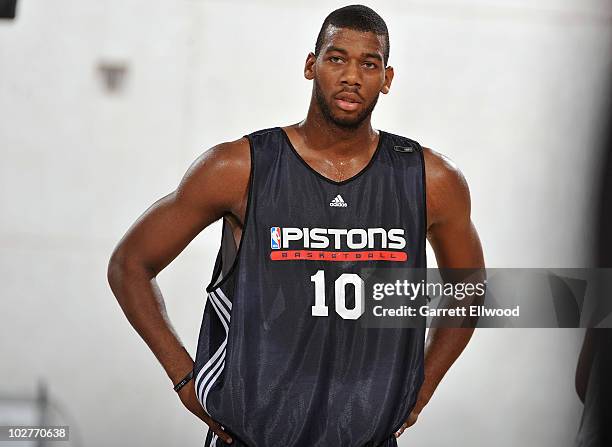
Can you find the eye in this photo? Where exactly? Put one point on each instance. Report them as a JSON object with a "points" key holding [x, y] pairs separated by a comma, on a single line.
{"points": [[335, 59], [369, 64]]}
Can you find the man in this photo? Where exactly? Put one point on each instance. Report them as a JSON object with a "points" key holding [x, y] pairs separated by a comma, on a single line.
{"points": [[282, 358]]}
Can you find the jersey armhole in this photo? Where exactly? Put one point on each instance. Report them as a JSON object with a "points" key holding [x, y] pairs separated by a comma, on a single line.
{"points": [[217, 279]]}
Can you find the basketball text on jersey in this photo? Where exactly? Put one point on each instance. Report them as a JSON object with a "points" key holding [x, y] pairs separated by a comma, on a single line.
{"points": [[289, 243]]}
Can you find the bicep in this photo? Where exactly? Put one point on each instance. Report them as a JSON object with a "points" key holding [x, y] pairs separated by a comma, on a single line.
{"points": [[451, 232], [162, 232], [456, 244]]}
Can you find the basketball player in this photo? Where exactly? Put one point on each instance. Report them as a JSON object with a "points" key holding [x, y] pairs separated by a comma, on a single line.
{"points": [[282, 359]]}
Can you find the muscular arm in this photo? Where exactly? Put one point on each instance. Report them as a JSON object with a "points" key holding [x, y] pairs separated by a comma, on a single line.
{"points": [[455, 242], [215, 185]]}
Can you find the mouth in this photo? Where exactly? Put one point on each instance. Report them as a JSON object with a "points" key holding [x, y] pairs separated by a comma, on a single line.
{"points": [[346, 105], [347, 101]]}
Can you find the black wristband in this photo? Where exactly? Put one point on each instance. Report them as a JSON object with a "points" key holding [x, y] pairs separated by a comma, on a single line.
{"points": [[183, 382]]}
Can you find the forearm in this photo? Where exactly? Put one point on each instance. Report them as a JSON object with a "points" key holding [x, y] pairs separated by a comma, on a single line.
{"points": [[442, 347], [142, 303]]}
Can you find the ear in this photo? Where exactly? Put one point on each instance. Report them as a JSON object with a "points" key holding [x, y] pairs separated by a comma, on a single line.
{"points": [[309, 70], [388, 78]]}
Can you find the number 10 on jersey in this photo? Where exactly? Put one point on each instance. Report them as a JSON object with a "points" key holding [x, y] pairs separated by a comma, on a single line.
{"points": [[320, 308]]}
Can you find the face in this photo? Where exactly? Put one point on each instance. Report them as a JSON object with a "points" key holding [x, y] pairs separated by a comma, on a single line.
{"points": [[348, 75]]}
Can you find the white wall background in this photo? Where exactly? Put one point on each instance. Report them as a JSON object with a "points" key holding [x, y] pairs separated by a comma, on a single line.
{"points": [[511, 90]]}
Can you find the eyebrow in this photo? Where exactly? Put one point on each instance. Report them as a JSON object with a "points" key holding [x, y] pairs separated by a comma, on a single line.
{"points": [[343, 51]]}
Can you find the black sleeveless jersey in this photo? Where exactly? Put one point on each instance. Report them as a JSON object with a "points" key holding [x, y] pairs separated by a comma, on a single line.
{"points": [[281, 358]]}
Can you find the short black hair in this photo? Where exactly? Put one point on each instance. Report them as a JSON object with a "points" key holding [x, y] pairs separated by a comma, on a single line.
{"points": [[358, 18]]}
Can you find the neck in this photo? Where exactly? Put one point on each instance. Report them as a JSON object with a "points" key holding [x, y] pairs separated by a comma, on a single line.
{"points": [[320, 133]]}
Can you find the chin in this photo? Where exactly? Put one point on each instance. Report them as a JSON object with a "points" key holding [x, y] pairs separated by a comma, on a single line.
{"points": [[350, 122]]}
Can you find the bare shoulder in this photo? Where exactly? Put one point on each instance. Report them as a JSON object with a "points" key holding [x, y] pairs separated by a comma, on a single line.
{"points": [[220, 175], [447, 189], [442, 171], [227, 158]]}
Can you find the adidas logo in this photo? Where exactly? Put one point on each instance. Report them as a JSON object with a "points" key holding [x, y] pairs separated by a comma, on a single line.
{"points": [[338, 201]]}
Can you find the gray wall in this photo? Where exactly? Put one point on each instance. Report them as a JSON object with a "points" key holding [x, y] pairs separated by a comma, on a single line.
{"points": [[510, 90]]}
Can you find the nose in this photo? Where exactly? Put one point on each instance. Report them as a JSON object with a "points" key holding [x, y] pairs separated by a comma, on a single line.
{"points": [[351, 74]]}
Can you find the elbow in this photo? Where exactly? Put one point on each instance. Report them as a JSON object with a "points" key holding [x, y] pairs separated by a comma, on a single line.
{"points": [[123, 269], [115, 269], [120, 266], [119, 276]]}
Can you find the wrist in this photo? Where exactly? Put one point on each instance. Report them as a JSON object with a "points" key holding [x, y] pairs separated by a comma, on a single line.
{"points": [[184, 381], [425, 393], [178, 366]]}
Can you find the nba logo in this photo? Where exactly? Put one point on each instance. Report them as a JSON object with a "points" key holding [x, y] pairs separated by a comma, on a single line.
{"points": [[275, 237]]}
